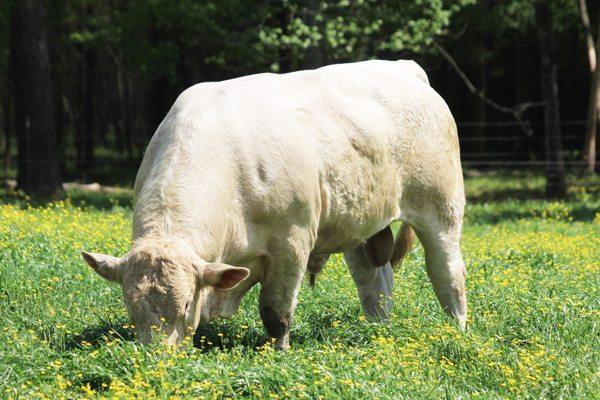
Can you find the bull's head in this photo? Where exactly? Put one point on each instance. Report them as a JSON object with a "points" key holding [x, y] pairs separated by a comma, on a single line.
{"points": [[167, 291]]}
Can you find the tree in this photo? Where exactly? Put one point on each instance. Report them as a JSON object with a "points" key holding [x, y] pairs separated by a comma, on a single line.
{"points": [[5, 97], [38, 164], [589, 151], [355, 30], [556, 186]]}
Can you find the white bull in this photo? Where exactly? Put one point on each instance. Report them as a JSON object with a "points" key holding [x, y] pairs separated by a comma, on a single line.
{"points": [[260, 178]]}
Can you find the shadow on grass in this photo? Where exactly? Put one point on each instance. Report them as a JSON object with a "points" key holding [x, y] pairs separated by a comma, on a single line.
{"points": [[222, 335], [584, 213], [499, 212], [98, 335], [507, 194], [218, 334], [521, 185], [111, 171], [101, 200], [214, 335]]}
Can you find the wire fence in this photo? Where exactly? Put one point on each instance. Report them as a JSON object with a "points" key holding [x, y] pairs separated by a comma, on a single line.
{"points": [[504, 145]]}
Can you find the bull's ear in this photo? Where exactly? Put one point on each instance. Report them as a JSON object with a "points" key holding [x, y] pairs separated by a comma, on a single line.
{"points": [[223, 276], [106, 266]]}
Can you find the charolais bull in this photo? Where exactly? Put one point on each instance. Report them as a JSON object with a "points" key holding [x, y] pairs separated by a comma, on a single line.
{"points": [[260, 178]]}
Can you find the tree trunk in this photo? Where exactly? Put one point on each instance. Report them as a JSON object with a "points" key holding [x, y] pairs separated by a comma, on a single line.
{"points": [[6, 125], [556, 186], [525, 67], [589, 39], [478, 108], [128, 117], [117, 103], [59, 60], [38, 164], [60, 119], [589, 151], [88, 129]]}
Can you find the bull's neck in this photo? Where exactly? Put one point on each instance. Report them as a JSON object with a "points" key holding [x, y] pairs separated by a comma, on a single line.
{"points": [[198, 220]]}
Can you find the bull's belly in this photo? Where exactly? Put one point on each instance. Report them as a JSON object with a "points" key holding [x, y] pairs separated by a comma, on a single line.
{"points": [[346, 229], [359, 197], [336, 241]]}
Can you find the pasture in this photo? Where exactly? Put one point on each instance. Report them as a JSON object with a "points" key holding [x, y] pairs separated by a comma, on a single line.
{"points": [[533, 329]]}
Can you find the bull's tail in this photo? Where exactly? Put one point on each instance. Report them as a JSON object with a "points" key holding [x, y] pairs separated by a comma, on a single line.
{"points": [[404, 243]]}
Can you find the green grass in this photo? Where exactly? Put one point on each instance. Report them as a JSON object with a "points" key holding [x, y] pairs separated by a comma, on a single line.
{"points": [[533, 286]]}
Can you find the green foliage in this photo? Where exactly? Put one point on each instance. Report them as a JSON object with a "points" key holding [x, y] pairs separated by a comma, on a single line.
{"points": [[533, 284], [353, 30], [239, 35]]}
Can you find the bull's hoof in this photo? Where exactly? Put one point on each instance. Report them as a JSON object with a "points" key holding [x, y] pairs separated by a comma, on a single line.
{"points": [[282, 344]]}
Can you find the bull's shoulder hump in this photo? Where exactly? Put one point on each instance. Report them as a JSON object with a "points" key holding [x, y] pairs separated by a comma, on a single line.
{"points": [[406, 68]]}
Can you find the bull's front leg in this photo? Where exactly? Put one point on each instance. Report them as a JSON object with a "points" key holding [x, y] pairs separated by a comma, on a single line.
{"points": [[280, 286], [277, 304]]}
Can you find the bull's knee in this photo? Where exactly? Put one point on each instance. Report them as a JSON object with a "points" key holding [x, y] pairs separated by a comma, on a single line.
{"points": [[277, 326]]}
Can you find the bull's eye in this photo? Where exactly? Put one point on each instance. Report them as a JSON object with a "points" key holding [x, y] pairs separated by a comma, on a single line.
{"points": [[187, 308]]}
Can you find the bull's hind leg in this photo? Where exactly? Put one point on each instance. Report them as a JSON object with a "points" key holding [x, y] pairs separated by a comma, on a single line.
{"points": [[445, 267], [374, 284]]}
